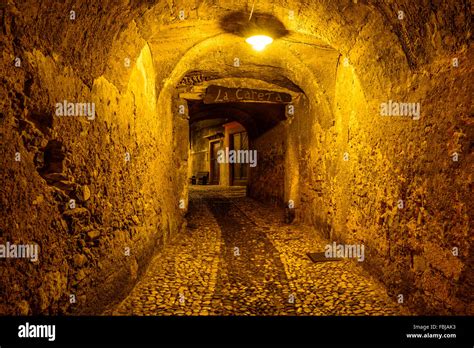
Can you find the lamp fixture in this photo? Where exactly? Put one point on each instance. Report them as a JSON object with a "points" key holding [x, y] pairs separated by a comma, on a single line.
{"points": [[259, 42]]}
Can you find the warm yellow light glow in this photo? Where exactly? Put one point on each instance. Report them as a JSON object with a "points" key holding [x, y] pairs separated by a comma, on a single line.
{"points": [[259, 42]]}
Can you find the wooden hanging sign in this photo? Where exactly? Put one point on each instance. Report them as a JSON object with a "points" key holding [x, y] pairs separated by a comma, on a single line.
{"points": [[218, 94]]}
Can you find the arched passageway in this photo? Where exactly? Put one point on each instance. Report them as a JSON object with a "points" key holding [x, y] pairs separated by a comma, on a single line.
{"points": [[359, 115]]}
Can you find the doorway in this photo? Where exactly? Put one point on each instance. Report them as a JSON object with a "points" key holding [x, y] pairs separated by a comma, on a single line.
{"points": [[214, 147], [239, 141]]}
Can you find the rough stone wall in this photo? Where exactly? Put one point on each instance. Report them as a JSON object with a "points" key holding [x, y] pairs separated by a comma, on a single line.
{"points": [[391, 159], [267, 179], [119, 204]]}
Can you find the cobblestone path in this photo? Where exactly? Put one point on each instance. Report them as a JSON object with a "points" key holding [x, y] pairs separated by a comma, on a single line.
{"points": [[238, 257]]}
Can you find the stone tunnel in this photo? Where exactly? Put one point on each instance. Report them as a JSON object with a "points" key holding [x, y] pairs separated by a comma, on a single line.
{"points": [[115, 197]]}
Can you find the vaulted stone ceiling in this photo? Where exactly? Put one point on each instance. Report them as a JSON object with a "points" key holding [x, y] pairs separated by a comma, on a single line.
{"points": [[362, 30]]}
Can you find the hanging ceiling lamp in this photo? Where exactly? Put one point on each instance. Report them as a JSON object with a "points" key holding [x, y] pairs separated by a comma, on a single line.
{"points": [[259, 29], [259, 42]]}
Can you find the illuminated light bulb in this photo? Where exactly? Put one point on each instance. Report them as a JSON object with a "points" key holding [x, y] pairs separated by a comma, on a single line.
{"points": [[259, 42]]}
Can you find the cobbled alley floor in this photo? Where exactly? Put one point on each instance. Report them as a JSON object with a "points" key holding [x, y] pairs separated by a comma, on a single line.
{"points": [[239, 257]]}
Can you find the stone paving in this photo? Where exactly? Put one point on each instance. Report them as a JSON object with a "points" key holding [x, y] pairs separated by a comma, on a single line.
{"points": [[238, 257]]}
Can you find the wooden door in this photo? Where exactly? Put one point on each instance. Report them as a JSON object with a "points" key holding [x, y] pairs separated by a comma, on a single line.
{"points": [[239, 171], [214, 165]]}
